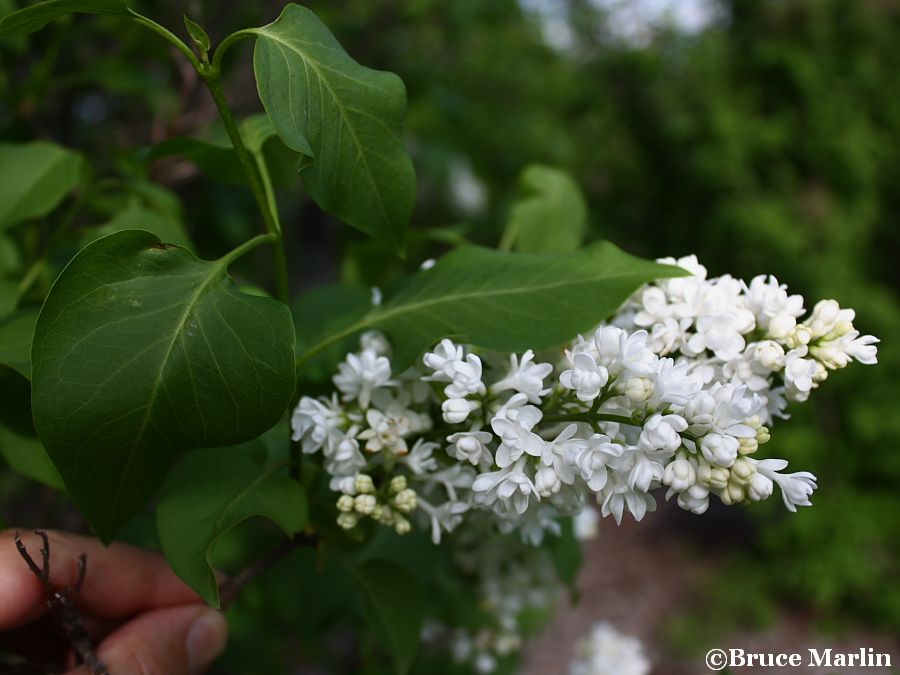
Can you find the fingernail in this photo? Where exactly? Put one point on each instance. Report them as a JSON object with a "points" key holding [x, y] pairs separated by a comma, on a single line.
{"points": [[206, 638]]}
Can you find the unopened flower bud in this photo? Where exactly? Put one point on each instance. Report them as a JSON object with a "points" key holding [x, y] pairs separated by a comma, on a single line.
{"points": [[713, 477], [800, 336], [770, 354], [364, 484], [742, 470], [456, 410], [680, 474], [406, 501], [546, 481], [762, 435], [747, 446], [347, 521], [719, 449], [365, 504], [398, 484], [695, 499], [638, 389], [345, 503], [760, 488], [401, 525]]}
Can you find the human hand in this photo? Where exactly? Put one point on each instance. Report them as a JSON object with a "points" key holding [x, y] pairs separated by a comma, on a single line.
{"points": [[145, 619]]}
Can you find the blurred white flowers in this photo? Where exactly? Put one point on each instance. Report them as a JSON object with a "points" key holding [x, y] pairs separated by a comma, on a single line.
{"points": [[606, 651]]}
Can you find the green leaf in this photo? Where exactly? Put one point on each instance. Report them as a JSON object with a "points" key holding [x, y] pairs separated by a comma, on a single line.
{"points": [[34, 179], [134, 217], [33, 18], [26, 455], [16, 332], [142, 351], [211, 491], [198, 35], [503, 301], [256, 130], [346, 117], [394, 604], [550, 217]]}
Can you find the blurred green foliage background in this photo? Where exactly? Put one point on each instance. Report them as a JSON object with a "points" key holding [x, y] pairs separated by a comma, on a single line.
{"points": [[765, 140]]}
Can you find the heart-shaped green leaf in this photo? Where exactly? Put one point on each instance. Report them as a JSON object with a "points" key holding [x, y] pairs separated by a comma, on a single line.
{"points": [[211, 491], [142, 351], [503, 301], [34, 178], [551, 215], [36, 16], [346, 117]]}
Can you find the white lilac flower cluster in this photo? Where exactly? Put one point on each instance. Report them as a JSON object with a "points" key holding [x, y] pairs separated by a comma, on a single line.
{"points": [[606, 651], [677, 391]]}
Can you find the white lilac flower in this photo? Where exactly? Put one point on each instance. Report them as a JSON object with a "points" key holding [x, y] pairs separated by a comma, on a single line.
{"points": [[796, 488], [776, 312], [457, 410], [420, 459], [719, 449], [585, 523], [471, 447], [346, 460], [695, 499], [606, 651], [662, 432], [680, 474], [465, 378], [362, 373], [585, 377], [445, 517], [510, 486], [386, 431], [316, 424], [442, 360], [678, 390], [516, 436], [799, 371], [525, 377], [594, 458]]}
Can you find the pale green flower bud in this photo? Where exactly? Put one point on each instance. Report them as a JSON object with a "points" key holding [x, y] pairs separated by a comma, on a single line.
{"points": [[398, 484], [742, 470], [401, 524], [406, 501], [747, 446], [364, 484], [762, 435], [365, 504], [347, 521], [713, 477], [345, 503]]}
